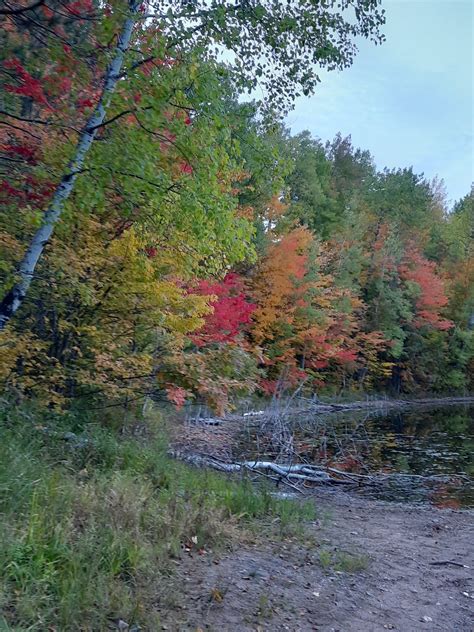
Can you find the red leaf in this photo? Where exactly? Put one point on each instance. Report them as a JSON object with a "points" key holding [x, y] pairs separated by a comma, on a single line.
{"points": [[151, 252], [231, 310], [186, 168], [80, 8], [29, 86], [176, 395], [20, 150], [82, 104]]}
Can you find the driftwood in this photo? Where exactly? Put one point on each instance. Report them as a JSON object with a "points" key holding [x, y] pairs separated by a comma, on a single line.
{"points": [[381, 477], [294, 474], [449, 562], [275, 426], [298, 472], [297, 405], [304, 405]]}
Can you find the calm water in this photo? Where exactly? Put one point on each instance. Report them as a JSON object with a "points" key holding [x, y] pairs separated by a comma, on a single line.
{"points": [[436, 442]]}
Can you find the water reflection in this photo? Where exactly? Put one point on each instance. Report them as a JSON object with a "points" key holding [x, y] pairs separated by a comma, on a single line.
{"points": [[416, 442]]}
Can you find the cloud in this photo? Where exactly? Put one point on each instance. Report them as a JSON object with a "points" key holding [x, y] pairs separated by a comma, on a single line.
{"points": [[410, 101]]}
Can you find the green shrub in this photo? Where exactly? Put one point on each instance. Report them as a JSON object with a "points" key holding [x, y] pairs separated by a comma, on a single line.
{"points": [[90, 520]]}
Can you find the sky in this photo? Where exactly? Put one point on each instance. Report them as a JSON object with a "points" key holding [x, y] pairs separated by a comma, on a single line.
{"points": [[409, 101]]}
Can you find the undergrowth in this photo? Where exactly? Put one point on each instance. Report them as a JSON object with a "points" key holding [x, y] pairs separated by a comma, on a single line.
{"points": [[90, 518], [343, 562]]}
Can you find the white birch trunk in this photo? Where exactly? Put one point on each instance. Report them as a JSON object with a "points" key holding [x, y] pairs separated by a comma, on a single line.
{"points": [[15, 297]]}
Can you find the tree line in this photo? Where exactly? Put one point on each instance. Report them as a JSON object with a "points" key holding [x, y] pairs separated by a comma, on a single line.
{"points": [[162, 237]]}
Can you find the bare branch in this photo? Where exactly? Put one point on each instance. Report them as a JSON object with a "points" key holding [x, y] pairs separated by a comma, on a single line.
{"points": [[20, 10], [25, 120], [117, 116]]}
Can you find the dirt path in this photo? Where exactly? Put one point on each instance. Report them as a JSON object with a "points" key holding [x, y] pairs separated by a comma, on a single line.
{"points": [[285, 587]]}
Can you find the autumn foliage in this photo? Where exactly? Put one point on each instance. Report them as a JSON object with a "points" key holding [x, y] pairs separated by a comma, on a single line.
{"points": [[430, 298], [203, 256], [231, 311]]}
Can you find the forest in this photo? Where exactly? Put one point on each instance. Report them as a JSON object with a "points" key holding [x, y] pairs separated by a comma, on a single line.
{"points": [[164, 237], [204, 253]]}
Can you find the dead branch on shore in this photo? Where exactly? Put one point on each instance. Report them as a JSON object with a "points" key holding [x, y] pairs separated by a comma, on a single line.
{"points": [[293, 472], [449, 562], [297, 404], [296, 474], [276, 456]]}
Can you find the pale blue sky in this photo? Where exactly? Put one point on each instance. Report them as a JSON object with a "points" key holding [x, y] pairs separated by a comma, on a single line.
{"points": [[409, 101]]}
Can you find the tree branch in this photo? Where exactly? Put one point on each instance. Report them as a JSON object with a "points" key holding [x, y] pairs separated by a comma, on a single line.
{"points": [[14, 299], [117, 116], [20, 10], [25, 120]]}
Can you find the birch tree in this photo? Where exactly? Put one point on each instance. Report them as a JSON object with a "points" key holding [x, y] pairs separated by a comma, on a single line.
{"points": [[275, 44], [15, 297]]}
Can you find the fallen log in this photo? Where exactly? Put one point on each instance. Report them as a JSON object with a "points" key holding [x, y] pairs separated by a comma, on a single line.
{"points": [[294, 474], [310, 406], [293, 471]]}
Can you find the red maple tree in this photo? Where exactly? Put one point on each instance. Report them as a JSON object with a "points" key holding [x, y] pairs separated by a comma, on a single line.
{"points": [[431, 299], [231, 310]]}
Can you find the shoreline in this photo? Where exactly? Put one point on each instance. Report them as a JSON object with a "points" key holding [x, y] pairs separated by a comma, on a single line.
{"points": [[376, 404], [370, 566]]}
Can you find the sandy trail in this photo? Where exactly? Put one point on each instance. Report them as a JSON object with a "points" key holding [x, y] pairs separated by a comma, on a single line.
{"points": [[284, 587]]}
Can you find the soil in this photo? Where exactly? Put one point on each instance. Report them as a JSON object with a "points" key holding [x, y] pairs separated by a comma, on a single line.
{"points": [[277, 586]]}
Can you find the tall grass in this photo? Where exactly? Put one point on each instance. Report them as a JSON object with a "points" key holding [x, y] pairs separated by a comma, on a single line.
{"points": [[89, 522]]}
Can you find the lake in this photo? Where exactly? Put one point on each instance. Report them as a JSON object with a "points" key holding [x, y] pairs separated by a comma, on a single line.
{"points": [[437, 443]]}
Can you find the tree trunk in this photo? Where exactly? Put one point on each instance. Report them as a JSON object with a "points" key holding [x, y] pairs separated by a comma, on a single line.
{"points": [[13, 300]]}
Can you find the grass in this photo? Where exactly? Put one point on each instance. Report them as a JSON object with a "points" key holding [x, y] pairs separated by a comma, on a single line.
{"points": [[343, 562], [89, 522], [325, 559], [265, 608], [350, 563]]}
